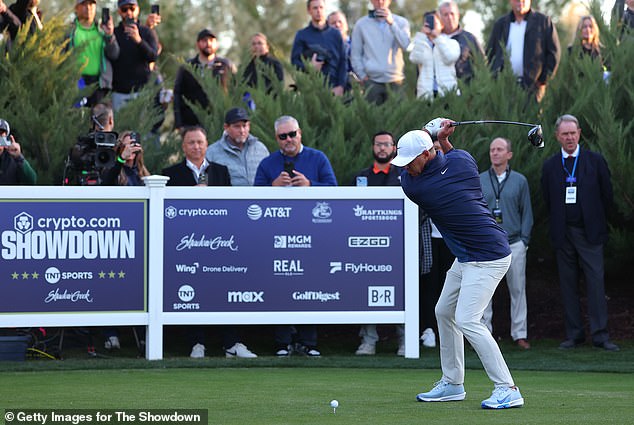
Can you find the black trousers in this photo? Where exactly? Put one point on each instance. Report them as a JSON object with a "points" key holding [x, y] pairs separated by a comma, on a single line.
{"points": [[575, 252]]}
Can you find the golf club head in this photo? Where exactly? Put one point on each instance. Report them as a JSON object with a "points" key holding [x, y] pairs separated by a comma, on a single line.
{"points": [[433, 127], [536, 136]]}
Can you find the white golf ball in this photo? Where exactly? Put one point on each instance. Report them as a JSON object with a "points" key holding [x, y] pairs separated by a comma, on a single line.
{"points": [[334, 404]]}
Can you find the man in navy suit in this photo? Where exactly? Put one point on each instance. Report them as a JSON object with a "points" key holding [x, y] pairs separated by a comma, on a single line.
{"points": [[578, 195], [195, 170]]}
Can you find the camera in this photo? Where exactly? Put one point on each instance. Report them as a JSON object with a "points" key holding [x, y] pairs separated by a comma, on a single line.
{"points": [[321, 54], [155, 8], [430, 21], [135, 139], [372, 13], [90, 155], [105, 15], [5, 141]]}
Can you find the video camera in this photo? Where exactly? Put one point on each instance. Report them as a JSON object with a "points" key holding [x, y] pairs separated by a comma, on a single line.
{"points": [[91, 154]]}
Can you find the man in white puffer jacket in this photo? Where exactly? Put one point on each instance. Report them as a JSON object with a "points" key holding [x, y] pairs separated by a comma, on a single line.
{"points": [[436, 54]]}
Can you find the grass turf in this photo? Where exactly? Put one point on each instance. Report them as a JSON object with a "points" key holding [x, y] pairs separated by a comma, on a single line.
{"points": [[301, 395]]}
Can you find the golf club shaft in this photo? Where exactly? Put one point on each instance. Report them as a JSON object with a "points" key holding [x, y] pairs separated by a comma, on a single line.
{"points": [[455, 124]]}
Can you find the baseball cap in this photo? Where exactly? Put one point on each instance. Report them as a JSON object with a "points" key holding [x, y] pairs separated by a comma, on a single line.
{"points": [[235, 115], [412, 144], [4, 125], [83, 1], [204, 34], [124, 2]]}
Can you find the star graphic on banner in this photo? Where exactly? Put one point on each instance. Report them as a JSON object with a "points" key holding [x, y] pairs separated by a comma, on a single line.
{"points": [[102, 275], [111, 274], [14, 275], [121, 274], [25, 275], [35, 275]]}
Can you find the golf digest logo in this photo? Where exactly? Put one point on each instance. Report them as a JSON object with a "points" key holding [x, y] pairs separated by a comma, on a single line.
{"points": [[52, 238], [255, 212], [186, 293], [316, 296]]}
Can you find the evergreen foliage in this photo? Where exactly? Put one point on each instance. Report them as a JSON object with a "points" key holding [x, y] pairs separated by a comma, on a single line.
{"points": [[38, 89]]}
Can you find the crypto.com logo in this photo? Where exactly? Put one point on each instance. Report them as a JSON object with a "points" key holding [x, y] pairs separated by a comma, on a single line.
{"points": [[170, 212], [23, 223]]}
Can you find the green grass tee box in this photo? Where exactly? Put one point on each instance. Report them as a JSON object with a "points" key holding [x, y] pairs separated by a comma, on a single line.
{"points": [[302, 395]]}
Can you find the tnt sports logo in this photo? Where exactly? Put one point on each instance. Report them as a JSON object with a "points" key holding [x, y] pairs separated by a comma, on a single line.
{"points": [[186, 293], [52, 275], [368, 241], [170, 212], [255, 212], [380, 296], [322, 212], [23, 222], [292, 241]]}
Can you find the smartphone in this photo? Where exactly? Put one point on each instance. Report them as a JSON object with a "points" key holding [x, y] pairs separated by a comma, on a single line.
{"points": [[155, 8], [105, 16], [130, 21], [135, 139], [289, 167], [372, 13], [430, 21]]}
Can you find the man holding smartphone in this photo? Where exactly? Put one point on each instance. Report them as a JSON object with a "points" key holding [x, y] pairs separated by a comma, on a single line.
{"points": [[378, 43], [98, 48], [138, 48]]}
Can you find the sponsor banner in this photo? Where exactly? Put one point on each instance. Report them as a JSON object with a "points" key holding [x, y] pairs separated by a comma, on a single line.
{"points": [[73, 256], [283, 255]]}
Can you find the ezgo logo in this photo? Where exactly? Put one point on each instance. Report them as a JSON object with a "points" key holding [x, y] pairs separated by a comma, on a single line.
{"points": [[369, 241], [380, 296]]}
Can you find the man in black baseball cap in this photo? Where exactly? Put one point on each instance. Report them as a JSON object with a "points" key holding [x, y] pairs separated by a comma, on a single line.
{"points": [[186, 86]]}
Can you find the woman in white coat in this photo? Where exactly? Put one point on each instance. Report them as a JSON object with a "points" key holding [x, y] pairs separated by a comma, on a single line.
{"points": [[436, 55]]}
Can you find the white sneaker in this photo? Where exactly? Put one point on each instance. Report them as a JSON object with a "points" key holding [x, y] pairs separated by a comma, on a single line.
{"points": [[401, 350], [239, 350], [112, 343], [366, 350], [198, 351], [428, 338]]}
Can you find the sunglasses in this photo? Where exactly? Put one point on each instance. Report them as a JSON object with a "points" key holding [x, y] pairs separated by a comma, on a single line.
{"points": [[126, 9], [284, 136]]}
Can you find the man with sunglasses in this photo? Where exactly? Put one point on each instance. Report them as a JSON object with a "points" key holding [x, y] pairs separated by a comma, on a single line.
{"points": [[138, 48], [294, 164]]}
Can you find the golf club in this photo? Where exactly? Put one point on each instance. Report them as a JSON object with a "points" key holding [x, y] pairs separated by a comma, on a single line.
{"points": [[535, 134]]}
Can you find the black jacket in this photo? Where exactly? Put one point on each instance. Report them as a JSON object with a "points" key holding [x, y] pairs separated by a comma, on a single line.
{"points": [[131, 68], [393, 178], [181, 175], [594, 195], [251, 71], [541, 47], [187, 87]]}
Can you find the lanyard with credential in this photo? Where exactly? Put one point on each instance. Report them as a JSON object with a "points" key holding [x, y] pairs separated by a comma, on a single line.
{"points": [[571, 176], [500, 186]]}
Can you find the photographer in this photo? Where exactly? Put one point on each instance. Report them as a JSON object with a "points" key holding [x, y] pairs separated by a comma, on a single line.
{"points": [[14, 168], [128, 169]]}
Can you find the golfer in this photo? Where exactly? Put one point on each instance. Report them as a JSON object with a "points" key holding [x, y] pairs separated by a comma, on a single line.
{"points": [[447, 187]]}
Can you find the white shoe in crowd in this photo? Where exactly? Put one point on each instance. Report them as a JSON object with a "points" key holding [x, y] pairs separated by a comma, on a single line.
{"points": [[428, 338], [401, 350], [239, 350], [112, 343], [366, 350], [198, 351]]}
